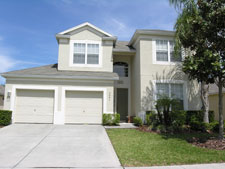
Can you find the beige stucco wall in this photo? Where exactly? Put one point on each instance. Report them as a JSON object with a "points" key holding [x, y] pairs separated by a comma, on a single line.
{"points": [[214, 105], [135, 82], [108, 85], [145, 73], [64, 52]]}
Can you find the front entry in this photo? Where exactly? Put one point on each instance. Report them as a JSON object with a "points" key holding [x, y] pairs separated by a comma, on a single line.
{"points": [[122, 103]]}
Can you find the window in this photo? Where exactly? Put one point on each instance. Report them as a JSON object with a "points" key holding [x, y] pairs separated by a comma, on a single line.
{"points": [[162, 50], [86, 53], [165, 51], [121, 68], [172, 90], [93, 54], [79, 53], [162, 89], [174, 58]]}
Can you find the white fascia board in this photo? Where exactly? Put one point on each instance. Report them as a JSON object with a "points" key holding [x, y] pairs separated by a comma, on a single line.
{"points": [[150, 32], [82, 25], [61, 77]]}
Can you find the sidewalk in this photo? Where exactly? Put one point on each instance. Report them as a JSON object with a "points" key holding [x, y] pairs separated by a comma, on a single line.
{"points": [[194, 166]]}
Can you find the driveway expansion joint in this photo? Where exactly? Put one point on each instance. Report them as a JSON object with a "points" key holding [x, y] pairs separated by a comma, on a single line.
{"points": [[34, 147]]}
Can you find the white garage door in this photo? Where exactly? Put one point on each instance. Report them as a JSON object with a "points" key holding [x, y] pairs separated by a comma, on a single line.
{"points": [[34, 106], [83, 107]]}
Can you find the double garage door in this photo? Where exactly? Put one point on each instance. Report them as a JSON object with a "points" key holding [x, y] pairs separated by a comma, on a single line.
{"points": [[37, 106]]}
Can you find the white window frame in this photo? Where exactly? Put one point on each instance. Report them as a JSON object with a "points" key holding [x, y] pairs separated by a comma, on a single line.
{"points": [[169, 62], [185, 92], [85, 64]]}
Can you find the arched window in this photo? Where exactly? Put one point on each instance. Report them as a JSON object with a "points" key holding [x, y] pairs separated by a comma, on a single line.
{"points": [[121, 68]]}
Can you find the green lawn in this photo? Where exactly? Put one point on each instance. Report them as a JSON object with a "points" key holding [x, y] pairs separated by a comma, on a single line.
{"points": [[136, 148]]}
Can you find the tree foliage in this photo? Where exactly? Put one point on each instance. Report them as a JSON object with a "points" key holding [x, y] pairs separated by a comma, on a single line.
{"points": [[200, 29]]}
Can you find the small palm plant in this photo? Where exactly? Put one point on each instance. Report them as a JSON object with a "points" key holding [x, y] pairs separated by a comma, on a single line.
{"points": [[164, 105]]}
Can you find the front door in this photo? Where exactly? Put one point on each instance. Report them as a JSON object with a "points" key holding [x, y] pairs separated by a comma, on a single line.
{"points": [[122, 103]]}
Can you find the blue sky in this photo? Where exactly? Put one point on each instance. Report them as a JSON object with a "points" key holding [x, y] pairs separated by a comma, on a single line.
{"points": [[28, 27]]}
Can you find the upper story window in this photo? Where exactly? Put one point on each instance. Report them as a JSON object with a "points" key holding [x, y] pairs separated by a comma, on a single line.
{"points": [[121, 68], [165, 51], [162, 50], [86, 53]]}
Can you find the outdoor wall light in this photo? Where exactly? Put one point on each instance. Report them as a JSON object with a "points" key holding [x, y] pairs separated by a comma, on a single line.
{"points": [[8, 94]]}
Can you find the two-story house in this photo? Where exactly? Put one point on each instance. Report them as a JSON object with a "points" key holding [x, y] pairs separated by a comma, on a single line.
{"points": [[98, 74]]}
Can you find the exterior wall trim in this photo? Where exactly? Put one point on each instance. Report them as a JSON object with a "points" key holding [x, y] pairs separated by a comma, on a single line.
{"points": [[82, 25]]}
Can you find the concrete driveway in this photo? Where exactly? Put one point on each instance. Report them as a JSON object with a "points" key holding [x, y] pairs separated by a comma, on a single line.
{"points": [[63, 146]]}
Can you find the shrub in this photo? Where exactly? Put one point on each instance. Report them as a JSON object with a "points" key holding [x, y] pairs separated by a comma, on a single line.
{"points": [[137, 121], [116, 119], [214, 126], [161, 129], [5, 117], [178, 119], [111, 119], [198, 114], [197, 125], [151, 118]]}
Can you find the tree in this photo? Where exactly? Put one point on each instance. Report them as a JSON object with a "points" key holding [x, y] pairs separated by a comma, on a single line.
{"points": [[189, 5], [200, 28]]}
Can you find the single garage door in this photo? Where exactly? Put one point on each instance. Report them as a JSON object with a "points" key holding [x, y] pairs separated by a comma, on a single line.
{"points": [[83, 107], [34, 106]]}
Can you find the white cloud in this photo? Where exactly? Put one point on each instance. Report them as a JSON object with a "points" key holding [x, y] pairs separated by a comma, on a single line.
{"points": [[6, 63]]}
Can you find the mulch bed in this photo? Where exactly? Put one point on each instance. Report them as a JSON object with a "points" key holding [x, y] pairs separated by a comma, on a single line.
{"points": [[210, 143]]}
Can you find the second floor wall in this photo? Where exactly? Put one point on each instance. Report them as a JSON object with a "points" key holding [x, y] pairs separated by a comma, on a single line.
{"points": [[85, 50]]}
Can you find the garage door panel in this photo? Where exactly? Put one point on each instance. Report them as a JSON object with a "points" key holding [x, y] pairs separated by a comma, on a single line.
{"points": [[33, 101], [34, 106], [83, 107], [21, 110], [33, 119]]}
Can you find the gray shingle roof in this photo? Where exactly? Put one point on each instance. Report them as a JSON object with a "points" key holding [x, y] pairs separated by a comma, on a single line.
{"points": [[51, 71], [122, 46], [2, 90]]}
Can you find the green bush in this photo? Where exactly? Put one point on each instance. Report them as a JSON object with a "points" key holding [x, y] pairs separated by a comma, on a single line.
{"points": [[111, 119], [161, 129], [197, 125], [178, 119], [5, 117], [214, 126], [198, 115], [137, 121], [151, 118]]}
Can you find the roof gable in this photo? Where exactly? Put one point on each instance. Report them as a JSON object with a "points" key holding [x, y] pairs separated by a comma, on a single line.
{"points": [[86, 24]]}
